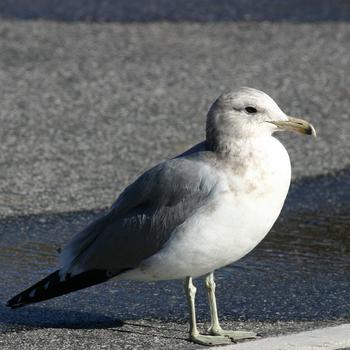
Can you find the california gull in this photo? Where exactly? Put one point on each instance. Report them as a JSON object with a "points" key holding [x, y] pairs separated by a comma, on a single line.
{"points": [[189, 215]]}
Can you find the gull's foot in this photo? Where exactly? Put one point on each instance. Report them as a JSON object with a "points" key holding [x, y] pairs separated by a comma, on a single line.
{"points": [[233, 335], [211, 339]]}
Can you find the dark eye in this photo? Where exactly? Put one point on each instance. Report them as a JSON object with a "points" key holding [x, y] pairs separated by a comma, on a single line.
{"points": [[250, 110]]}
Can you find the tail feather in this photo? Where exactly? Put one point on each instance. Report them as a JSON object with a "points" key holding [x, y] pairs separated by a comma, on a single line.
{"points": [[55, 285]]}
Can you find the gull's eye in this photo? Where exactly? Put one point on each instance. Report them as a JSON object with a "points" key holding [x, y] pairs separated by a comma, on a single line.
{"points": [[250, 110]]}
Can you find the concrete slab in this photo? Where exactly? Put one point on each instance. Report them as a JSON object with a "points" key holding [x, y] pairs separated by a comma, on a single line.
{"points": [[330, 338]]}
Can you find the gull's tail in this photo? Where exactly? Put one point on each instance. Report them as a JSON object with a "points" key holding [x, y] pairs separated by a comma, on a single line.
{"points": [[55, 285]]}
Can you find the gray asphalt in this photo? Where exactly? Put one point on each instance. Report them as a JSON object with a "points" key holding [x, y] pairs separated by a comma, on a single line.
{"points": [[297, 279], [179, 10], [87, 107]]}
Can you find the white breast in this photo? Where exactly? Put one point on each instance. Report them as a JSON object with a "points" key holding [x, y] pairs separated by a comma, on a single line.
{"points": [[239, 214]]}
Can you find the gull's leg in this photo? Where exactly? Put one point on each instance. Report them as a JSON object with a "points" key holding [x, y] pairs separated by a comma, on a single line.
{"points": [[215, 327], [191, 294], [195, 336]]}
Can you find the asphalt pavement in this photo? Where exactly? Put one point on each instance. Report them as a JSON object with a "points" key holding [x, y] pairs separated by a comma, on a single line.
{"points": [[85, 107], [177, 11], [297, 279]]}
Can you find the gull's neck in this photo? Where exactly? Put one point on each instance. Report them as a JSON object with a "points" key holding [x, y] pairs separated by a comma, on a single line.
{"points": [[233, 147], [229, 139], [252, 155]]}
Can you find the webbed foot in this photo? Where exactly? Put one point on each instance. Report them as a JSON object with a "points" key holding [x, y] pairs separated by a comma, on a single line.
{"points": [[233, 335], [209, 340]]}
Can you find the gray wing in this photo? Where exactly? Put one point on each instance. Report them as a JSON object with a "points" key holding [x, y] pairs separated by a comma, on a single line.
{"points": [[143, 217]]}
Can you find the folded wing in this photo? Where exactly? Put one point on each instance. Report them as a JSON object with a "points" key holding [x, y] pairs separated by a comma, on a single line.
{"points": [[142, 218]]}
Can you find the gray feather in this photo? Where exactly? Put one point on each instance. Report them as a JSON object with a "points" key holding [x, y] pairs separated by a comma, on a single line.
{"points": [[144, 216]]}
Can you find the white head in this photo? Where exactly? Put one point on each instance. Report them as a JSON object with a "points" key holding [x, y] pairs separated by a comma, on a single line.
{"points": [[248, 113]]}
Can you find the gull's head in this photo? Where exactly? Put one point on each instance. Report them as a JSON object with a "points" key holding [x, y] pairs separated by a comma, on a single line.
{"points": [[247, 113]]}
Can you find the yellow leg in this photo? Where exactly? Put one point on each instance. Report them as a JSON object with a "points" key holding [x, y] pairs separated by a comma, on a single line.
{"points": [[195, 336], [215, 327]]}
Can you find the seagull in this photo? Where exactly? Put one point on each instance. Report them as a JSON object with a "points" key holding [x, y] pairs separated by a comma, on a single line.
{"points": [[190, 215]]}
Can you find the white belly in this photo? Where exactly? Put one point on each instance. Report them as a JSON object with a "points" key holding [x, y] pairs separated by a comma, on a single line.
{"points": [[235, 219]]}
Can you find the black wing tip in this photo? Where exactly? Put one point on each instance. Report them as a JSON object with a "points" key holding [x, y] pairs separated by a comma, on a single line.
{"points": [[52, 286], [14, 304], [25, 298]]}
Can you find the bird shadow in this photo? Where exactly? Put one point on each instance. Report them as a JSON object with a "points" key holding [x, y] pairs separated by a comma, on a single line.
{"points": [[44, 317], [33, 318]]}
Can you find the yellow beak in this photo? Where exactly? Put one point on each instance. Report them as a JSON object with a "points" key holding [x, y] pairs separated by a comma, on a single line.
{"points": [[295, 124]]}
